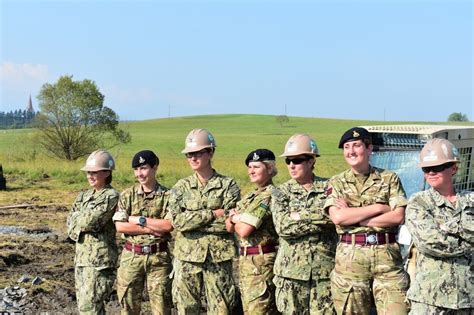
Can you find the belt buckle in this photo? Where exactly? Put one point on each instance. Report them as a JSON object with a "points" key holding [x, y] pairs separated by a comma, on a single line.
{"points": [[146, 249], [371, 239]]}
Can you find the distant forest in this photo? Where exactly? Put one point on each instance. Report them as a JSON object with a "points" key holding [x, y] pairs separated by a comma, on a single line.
{"points": [[17, 119]]}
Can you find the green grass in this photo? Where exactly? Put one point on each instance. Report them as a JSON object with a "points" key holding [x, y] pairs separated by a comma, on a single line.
{"points": [[28, 168]]}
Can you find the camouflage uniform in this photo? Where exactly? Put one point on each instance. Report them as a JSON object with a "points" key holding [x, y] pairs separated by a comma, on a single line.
{"points": [[307, 245], [443, 234], [256, 271], [203, 248], [138, 270], [90, 225], [363, 273]]}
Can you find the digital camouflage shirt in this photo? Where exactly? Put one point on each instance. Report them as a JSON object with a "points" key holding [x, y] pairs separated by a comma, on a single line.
{"points": [[134, 201], [381, 186], [307, 235], [90, 225], [443, 234], [255, 211], [199, 233]]}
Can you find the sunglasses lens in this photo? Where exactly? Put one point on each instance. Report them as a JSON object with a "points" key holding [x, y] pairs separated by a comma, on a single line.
{"points": [[436, 169], [295, 161], [197, 154]]}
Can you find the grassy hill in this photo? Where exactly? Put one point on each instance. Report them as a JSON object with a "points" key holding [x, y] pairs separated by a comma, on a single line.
{"points": [[30, 172]]}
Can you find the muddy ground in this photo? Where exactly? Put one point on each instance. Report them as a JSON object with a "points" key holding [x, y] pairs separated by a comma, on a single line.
{"points": [[34, 246]]}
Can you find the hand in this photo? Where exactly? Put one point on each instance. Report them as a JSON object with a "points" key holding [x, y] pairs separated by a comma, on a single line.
{"points": [[229, 226], [219, 213], [155, 233], [341, 203]]}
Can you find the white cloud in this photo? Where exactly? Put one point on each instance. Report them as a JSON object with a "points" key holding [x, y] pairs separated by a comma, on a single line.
{"points": [[14, 76]]}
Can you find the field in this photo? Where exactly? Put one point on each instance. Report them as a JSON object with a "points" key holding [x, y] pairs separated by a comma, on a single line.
{"points": [[26, 164], [38, 245]]}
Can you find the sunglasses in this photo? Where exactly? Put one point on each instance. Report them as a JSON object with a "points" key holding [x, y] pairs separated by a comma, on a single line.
{"points": [[197, 154], [296, 161], [437, 168]]}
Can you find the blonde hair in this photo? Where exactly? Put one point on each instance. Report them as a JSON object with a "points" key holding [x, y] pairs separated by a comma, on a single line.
{"points": [[272, 166]]}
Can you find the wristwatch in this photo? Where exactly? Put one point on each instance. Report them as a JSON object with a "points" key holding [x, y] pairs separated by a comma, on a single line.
{"points": [[142, 221]]}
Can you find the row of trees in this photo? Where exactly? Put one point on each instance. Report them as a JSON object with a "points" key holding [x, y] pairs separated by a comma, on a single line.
{"points": [[17, 119]]}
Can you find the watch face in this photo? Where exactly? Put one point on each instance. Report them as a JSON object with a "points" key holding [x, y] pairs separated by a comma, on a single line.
{"points": [[142, 220]]}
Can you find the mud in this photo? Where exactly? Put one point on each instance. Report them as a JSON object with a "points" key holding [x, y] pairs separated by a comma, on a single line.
{"points": [[37, 256], [34, 245]]}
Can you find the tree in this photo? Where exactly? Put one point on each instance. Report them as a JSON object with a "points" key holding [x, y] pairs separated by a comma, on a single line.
{"points": [[281, 119], [458, 117], [73, 120]]}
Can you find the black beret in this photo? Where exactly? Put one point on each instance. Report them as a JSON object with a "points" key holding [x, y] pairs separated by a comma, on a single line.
{"points": [[260, 155], [145, 157], [355, 133]]}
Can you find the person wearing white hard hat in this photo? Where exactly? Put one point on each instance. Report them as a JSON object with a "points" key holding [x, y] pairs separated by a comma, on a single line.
{"points": [[307, 236], [441, 223], [204, 249], [90, 226]]}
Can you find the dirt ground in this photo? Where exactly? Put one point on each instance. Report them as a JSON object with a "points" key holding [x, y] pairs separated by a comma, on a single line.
{"points": [[31, 248], [34, 244]]}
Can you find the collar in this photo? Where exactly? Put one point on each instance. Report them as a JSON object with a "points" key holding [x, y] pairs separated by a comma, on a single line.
{"points": [[374, 174], [156, 189], [211, 183]]}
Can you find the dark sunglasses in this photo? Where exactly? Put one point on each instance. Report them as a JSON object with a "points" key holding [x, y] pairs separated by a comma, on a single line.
{"points": [[197, 154], [296, 161], [437, 168]]}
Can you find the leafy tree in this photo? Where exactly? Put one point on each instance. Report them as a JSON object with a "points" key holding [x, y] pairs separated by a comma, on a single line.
{"points": [[458, 117], [282, 119], [73, 120]]}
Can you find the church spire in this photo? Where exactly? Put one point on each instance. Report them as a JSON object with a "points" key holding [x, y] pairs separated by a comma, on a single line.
{"points": [[29, 108]]}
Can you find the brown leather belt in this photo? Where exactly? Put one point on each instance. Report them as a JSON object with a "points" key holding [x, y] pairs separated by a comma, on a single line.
{"points": [[146, 249], [368, 239], [255, 250]]}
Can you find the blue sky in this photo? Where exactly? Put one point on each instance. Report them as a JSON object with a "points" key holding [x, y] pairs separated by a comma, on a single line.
{"points": [[393, 60]]}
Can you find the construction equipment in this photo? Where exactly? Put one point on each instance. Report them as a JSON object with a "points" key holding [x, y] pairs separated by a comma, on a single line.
{"points": [[397, 148]]}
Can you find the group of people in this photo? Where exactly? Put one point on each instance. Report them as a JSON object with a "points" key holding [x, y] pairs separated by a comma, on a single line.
{"points": [[309, 246]]}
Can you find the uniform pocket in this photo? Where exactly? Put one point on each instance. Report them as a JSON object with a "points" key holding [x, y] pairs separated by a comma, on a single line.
{"points": [[467, 225], [393, 251], [279, 293], [340, 292], [253, 287]]}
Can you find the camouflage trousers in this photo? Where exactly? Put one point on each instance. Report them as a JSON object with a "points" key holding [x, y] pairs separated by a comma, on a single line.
{"points": [[216, 279], [363, 274], [303, 297], [426, 309], [139, 271], [93, 287], [256, 285]]}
